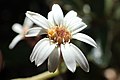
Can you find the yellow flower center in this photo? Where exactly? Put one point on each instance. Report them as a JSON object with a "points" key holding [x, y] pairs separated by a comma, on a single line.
{"points": [[59, 35]]}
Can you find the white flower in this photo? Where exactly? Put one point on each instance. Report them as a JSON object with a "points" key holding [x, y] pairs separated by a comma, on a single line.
{"points": [[21, 30], [60, 30]]}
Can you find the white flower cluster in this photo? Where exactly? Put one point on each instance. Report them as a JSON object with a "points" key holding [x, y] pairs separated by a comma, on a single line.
{"points": [[60, 30]]}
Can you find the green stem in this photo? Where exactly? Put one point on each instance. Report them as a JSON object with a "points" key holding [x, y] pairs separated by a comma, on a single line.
{"points": [[43, 76], [46, 75]]}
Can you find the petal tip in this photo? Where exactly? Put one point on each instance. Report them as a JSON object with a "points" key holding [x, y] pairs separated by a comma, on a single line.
{"points": [[95, 44], [37, 65], [88, 69], [10, 47], [31, 60], [72, 70], [55, 5], [27, 12]]}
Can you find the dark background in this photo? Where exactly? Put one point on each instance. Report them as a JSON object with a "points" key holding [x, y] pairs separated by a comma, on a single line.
{"points": [[103, 24]]}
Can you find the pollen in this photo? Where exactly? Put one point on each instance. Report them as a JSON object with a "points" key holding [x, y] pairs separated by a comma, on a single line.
{"points": [[59, 35]]}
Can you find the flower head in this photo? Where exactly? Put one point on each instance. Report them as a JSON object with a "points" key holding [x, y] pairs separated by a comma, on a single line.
{"points": [[60, 30], [21, 30]]}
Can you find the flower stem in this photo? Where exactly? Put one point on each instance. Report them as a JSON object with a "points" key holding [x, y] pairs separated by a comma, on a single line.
{"points": [[46, 75], [43, 76]]}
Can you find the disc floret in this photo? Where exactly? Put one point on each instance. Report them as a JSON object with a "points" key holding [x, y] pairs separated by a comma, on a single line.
{"points": [[59, 35]]}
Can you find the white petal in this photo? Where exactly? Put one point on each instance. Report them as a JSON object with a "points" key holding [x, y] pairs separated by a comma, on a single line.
{"points": [[27, 22], [75, 20], [58, 14], [68, 17], [44, 52], [36, 48], [53, 60], [80, 58], [85, 38], [17, 28], [51, 18], [78, 27], [38, 19], [15, 41], [68, 57], [32, 32]]}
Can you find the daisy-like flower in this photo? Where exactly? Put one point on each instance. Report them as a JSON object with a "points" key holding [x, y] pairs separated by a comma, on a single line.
{"points": [[21, 30], [60, 30]]}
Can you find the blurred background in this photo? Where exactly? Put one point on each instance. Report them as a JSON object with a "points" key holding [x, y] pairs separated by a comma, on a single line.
{"points": [[102, 18]]}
